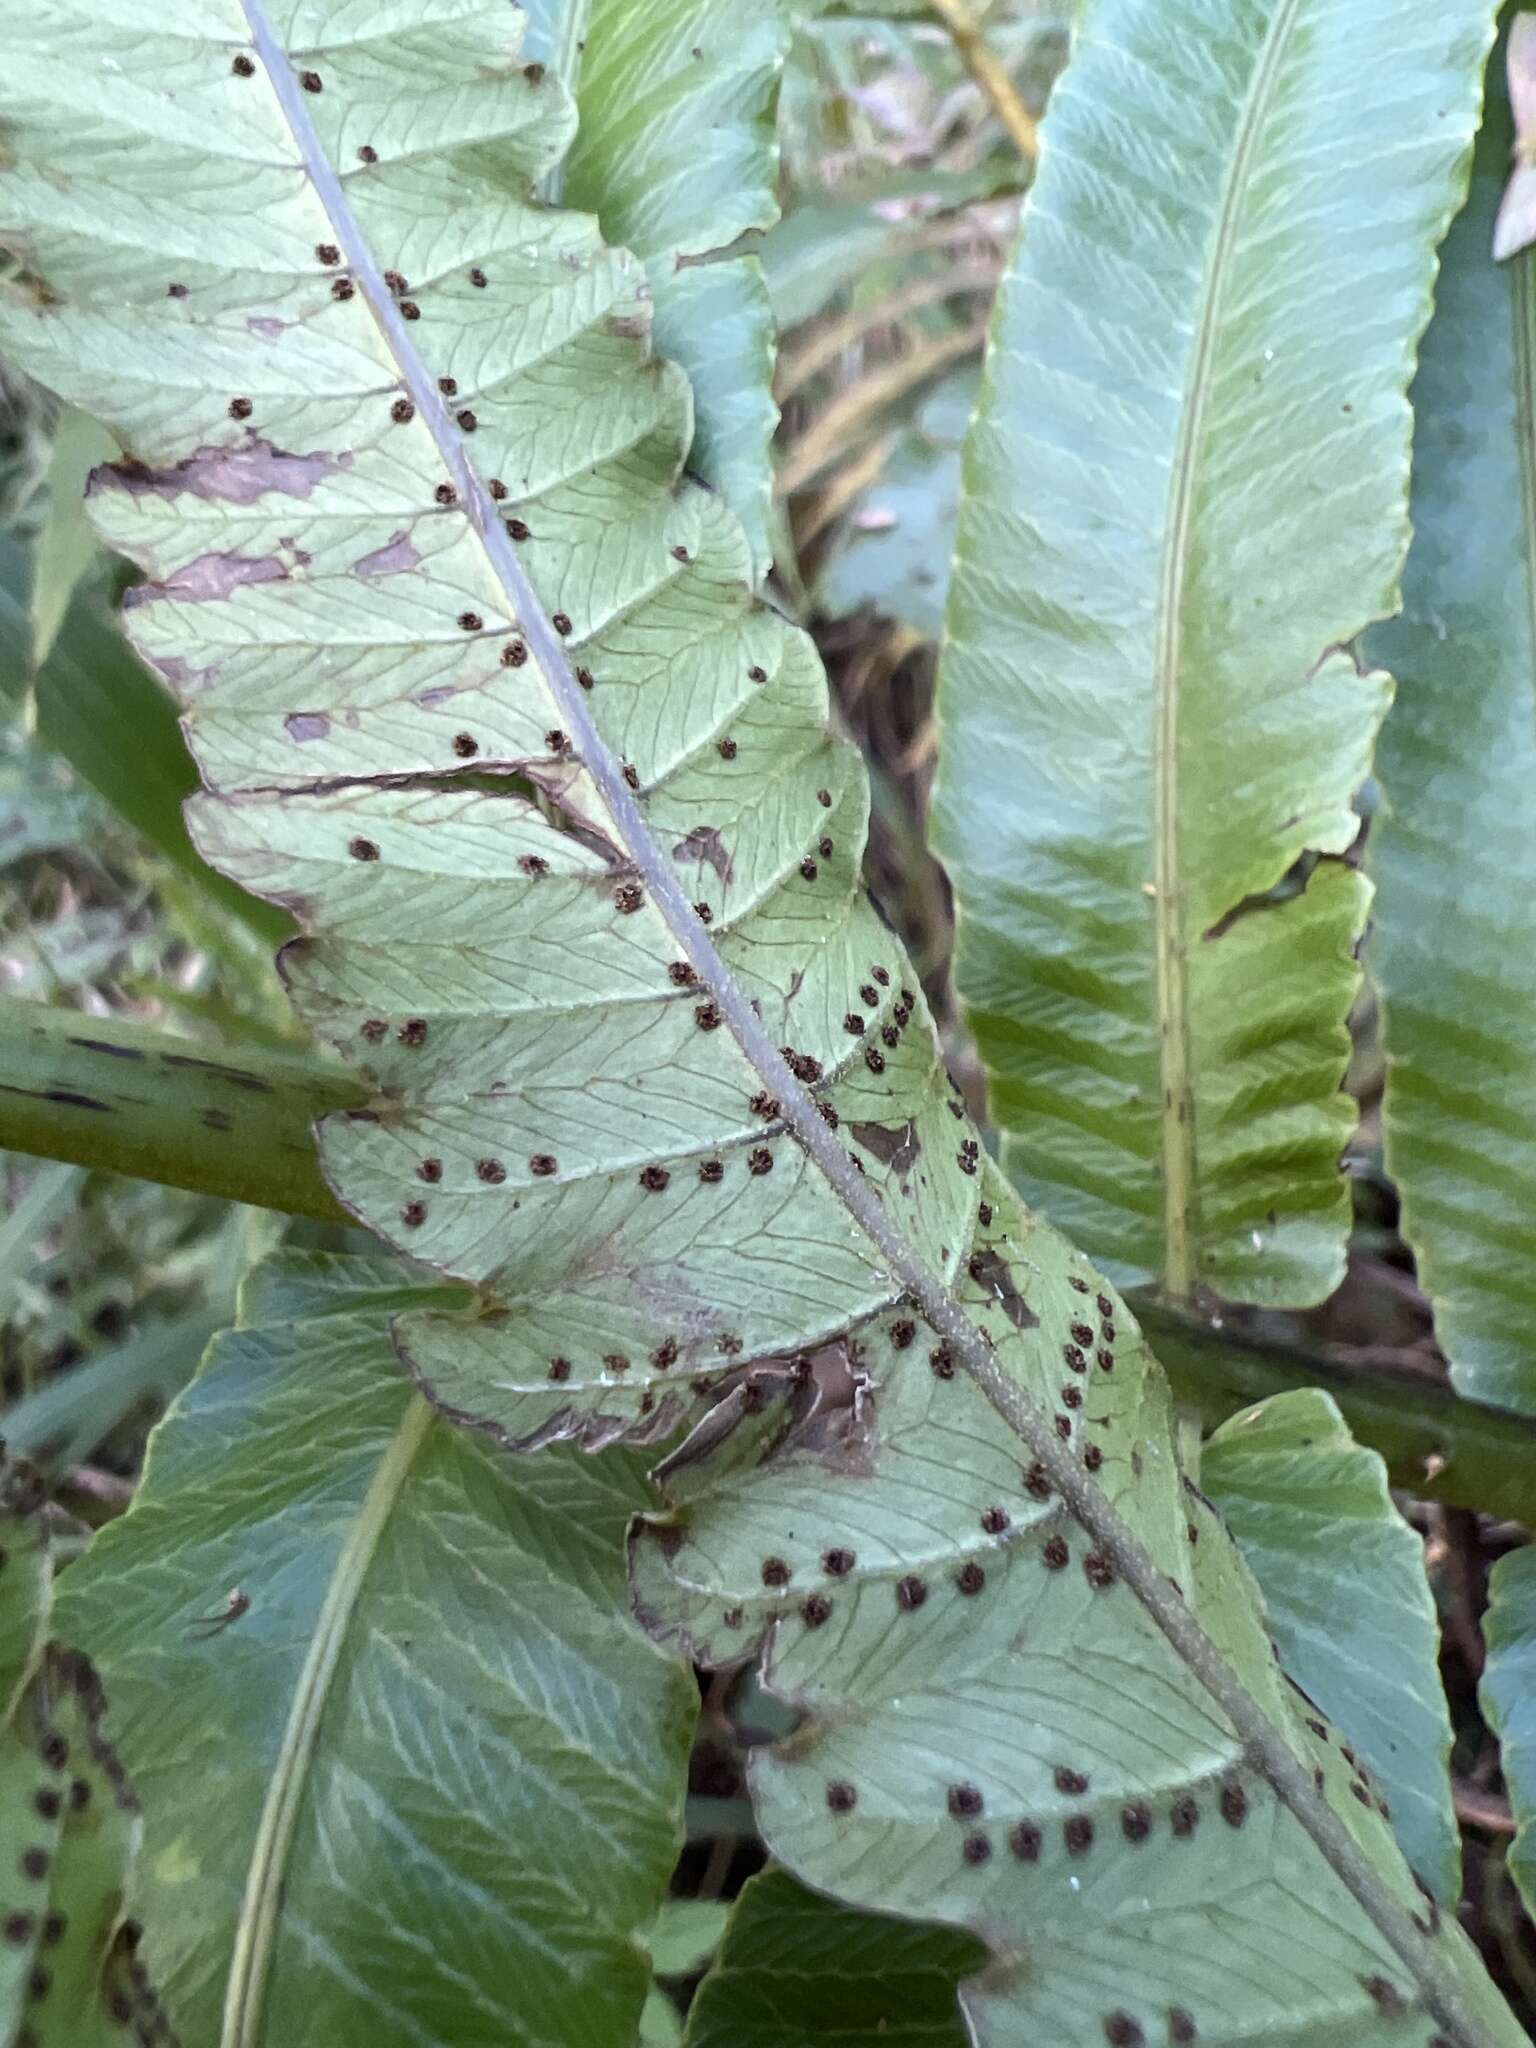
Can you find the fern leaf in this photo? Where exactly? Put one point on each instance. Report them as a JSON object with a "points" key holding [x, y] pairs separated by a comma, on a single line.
{"points": [[1452, 949], [1185, 493], [480, 690]]}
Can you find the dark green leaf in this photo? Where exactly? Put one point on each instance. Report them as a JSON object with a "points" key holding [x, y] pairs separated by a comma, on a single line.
{"points": [[1455, 940], [426, 1787]]}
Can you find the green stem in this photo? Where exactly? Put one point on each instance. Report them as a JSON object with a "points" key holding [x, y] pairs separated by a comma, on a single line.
{"points": [[1435, 1444], [125, 1099]]}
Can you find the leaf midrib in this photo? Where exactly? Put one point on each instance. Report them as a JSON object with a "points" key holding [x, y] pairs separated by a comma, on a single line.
{"points": [[1266, 1745], [256, 1929], [1177, 1099]]}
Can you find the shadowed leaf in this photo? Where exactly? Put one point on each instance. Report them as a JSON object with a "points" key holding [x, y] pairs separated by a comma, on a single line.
{"points": [[1454, 948]]}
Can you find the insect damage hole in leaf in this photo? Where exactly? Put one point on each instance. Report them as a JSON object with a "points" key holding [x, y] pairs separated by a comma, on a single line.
{"points": [[789, 1249]]}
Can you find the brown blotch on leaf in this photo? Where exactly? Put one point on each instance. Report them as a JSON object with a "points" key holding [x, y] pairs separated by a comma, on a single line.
{"points": [[311, 81], [445, 494], [1184, 1817], [470, 622], [902, 1333], [429, 1170], [242, 67], [514, 654], [616, 1361], [1121, 2031], [562, 624], [1093, 1457], [1234, 1805], [711, 1170], [533, 865], [703, 913], [373, 1029], [679, 972], [402, 412], [1025, 1841], [808, 869], [1135, 1821], [584, 677], [465, 745], [631, 774], [995, 1521], [478, 279], [815, 1608], [240, 408], [965, 1801], [1181, 2025], [1071, 1397], [491, 1171], [841, 1797], [970, 1578], [775, 1572], [628, 898], [765, 1105], [367, 154], [543, 1164], [1055, 1556], [976, 1849], [910, 1593], [654, 1178], [517, 529], [759, 1160], [726, 748], [18, 1928], [1073, 1782], [559, 1369], [413, 1031], [1385, 1996], [467, 421], [942, 1360], [838, 1562], [413, 1214], [362, 849], [557, 741], [327, 253], [874, 1059], [756, 674], [1077, 1834]]}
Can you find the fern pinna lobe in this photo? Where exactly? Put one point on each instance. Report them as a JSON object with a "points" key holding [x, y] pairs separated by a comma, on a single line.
{"points": [[580, 879]]}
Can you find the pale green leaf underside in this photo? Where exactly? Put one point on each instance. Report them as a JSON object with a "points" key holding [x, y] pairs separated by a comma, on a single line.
{"points": [[1455, 944], [677, 156], [496, 930], [1025, 1755], [1185, 489], [1508, 1694], [486, 1813], [1349, 1603]]}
